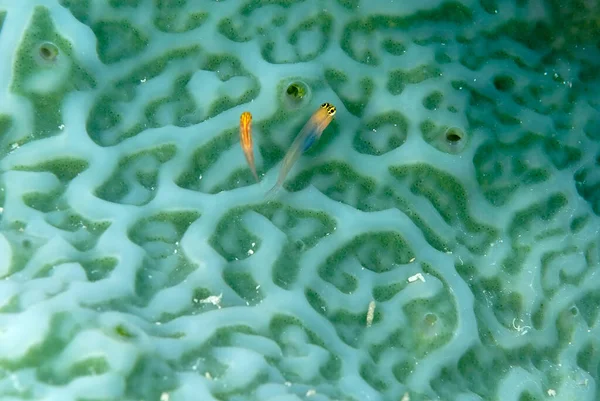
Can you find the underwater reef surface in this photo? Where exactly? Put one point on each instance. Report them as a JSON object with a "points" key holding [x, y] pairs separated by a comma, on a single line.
{"points": [[440, 241]]}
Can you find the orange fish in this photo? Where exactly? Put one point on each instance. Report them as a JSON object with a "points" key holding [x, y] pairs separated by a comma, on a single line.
{"points": [[309, 134], [246, 140]]}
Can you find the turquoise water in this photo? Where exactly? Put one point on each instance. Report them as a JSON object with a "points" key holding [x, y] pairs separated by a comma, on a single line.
{"points": [[439, 241]]}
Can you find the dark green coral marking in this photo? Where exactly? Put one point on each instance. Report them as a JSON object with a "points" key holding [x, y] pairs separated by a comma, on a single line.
{"points": [[172, 17], [253, 5], [234, 31], [321, 23], [448, 12], [232, 240], [450, 199], [65, 169], [393, 125], [244, 285], [165, 263], [203, 158], [433, 100], [394, 47], [378, 252], [494, 161], [118, 40], [398, 79], [29, 60], [117, 187], [330, 370], [79, 8], [339, 81], [107, 112], [542, 211]]}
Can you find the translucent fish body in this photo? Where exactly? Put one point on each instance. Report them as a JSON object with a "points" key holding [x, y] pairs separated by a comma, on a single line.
{"points": [[309, 134], [246, 141]]}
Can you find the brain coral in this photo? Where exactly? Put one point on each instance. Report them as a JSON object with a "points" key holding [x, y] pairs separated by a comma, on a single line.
{"points": [[439, 242]]}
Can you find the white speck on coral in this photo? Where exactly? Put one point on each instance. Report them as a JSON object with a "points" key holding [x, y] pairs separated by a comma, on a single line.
{"points": [[405, 397], [250, 252], [311, 392], [521, 329], [14, 146], [143, 80], [213, 299], [257, 287], [208, 376], [14, 379], [416, 277], [157, 323], [61, 127], [288, 384], [551, 392], [370, 313], [164, 396], [412, 260]]}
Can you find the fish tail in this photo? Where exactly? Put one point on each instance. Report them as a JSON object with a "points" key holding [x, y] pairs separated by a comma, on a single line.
{"points": [[271, 193], [254, 174], [250, 159]]}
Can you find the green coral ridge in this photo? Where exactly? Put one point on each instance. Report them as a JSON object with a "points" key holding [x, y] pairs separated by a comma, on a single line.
{"points": [[439, 242]]}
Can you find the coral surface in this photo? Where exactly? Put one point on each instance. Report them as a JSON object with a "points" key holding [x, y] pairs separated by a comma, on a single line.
{"points": [[441, 241]]}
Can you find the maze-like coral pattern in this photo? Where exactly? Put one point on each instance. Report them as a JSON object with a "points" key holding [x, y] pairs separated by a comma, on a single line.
{"points": [[440, 242]]}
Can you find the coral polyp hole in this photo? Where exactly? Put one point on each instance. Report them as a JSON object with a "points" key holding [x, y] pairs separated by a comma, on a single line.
{"points": [[296, 90], [503, 83], [430, 319], [48, 51], [574, 311], [454, 135], [296, 94]]}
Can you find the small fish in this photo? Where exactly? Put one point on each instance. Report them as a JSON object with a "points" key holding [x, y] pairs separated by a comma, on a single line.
{"points": [[309, 134], [246, 141]]}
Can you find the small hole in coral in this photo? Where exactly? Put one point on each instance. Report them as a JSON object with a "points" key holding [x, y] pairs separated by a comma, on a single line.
{"points": [[296, 90], [430, 319], [453, 135], [297, 94], [503, 83], [26, 243], [574, 311], [48, 51], [300, 245]]}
